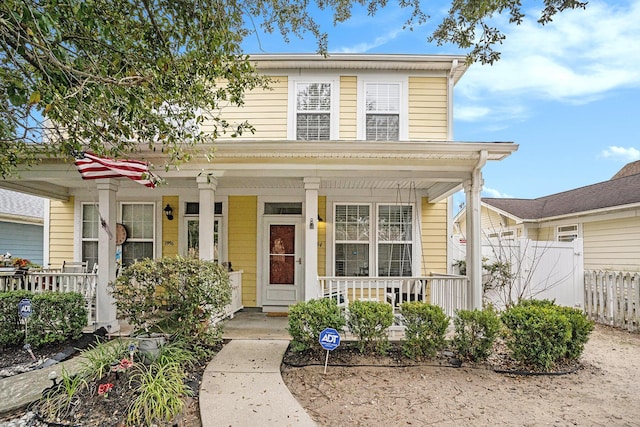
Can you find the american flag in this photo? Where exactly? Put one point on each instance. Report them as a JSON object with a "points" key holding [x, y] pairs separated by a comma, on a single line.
{"points": [[91, 166]]}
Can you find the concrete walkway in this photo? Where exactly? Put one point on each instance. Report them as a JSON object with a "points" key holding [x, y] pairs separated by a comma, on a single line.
{"points": [[242, 386]]}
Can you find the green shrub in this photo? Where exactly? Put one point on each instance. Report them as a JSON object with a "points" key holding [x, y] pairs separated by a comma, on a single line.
{"points": [[56, 317], [426, 326], [369, 321], [581, 328], [11, 330], [475, 333], [537, 335], [308, 319], [174, 292]]}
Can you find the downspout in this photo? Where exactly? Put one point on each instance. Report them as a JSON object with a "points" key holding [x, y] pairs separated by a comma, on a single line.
{"points": [[474, 233], [450, 83]]}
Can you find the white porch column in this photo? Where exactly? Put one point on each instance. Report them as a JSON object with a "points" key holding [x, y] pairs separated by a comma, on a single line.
{"points": [[311, 286], [472, 190], [105, 303], [207, 185]]}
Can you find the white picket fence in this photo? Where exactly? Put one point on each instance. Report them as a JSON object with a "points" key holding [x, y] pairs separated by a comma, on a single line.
{"points": [[613, 298]]}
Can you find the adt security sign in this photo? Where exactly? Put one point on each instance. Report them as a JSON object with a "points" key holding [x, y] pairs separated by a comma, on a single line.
{"points": [[24, 308], [329, 339]]}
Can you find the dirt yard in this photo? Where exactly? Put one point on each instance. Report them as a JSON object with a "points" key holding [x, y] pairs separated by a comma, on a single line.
{"points": [[604, 391]]}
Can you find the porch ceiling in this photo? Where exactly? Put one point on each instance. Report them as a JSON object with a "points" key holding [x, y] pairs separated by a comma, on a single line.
{"points": [[437, 168]]}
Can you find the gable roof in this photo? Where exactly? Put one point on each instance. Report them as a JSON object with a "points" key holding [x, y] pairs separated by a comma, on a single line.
{"points": [[632, 168], [622, 189]]}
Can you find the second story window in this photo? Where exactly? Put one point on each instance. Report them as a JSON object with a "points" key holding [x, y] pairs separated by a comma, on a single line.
{"points": [[382, 109], [313, 111], [567, 233]]}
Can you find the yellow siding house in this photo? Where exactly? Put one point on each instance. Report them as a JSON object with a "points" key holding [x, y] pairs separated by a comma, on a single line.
{"points": [[349, 174]]}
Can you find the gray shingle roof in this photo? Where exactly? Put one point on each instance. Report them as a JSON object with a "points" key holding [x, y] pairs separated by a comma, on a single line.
{"points": [[622, 189], [14, 203]]}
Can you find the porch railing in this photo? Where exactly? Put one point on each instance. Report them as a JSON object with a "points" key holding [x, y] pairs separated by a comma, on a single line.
{"points": [[54, 281], [236, 294], [447, 291]]}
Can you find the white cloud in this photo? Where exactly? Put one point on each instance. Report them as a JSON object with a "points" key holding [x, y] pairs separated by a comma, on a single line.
{"points": [[367, 46], [622, 153], [577, 58], [492, 192], [471, 113]]}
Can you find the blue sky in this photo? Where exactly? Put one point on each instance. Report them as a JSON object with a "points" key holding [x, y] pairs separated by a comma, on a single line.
{"points": [[568, 93]]}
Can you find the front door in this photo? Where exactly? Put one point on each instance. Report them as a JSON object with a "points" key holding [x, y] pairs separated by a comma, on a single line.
{"points": [[283, 264]]}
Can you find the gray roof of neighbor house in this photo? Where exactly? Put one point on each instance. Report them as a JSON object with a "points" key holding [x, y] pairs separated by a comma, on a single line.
{"points": [[622, 189], [18, 204]]}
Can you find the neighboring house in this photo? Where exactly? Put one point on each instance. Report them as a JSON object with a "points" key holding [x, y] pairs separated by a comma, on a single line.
{"points": [[605, 215], [22, 225], [349, 173]]}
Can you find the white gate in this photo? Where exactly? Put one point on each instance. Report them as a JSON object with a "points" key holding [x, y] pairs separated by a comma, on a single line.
{"points": [[540, 270]]}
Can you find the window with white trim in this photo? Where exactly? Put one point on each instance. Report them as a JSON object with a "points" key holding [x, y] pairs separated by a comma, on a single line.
{"points": [[352, 240], [192, 225], [382, 110], [313, 111], [395, 240], [383, 248], [504, 235], [89, 234], [567, 233], [140, 221]]}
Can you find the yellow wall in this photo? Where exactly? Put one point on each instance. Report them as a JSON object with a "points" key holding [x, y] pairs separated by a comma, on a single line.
{"points": [[427, 108], [434, 237], [612, 245], [265, 109], [61, 232], [348, 107], [243, 219], [322, 236], [170, 228]]}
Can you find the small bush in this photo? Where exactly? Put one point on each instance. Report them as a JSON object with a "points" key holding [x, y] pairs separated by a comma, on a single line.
{"points": [[581, 328], [426, 326], [537, 335], [475, 333], [55, 317], [308, 319], [183, 293], [11, 329], [369, 321]]}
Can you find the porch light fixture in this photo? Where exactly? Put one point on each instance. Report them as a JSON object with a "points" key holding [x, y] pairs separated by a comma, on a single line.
{"points": [[168, 211], [320, 219]]}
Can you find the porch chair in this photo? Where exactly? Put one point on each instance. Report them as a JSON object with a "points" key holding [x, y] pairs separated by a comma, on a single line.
{"points": [[74, 266]]}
